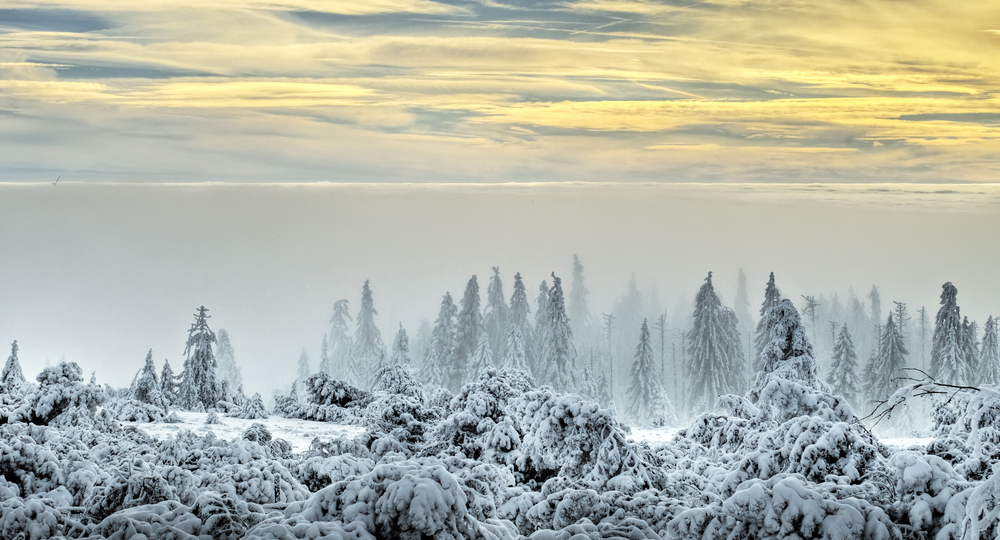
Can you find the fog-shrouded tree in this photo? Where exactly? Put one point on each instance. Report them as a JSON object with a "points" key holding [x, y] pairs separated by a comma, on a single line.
{"points": [[558, 352], [741, 306], [482, 360], [514, 356], [789, 354], [401, 349], [843, 378], [891, 362], [229, 373], [711, 368], [517, 317], [643, 382], [541, 330], [468, 329], [968, 344], [302, 372], [989, 354], [199, 389], [339, 346], [736, 360], [147, 386], [947, 362], [764, 326], [368, 354], [578, 310], [496, 314], [168, 382], [12, 378], [876, 303], [437, 365]]}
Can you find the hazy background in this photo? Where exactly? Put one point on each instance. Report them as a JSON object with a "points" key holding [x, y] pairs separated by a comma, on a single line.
{"points": [[104, 272]]}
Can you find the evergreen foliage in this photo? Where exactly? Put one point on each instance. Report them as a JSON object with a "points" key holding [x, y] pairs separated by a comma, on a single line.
{"points": [[468, 330], [558, 350], [147, 385], [302, 371], [496, 315], [368, 354], [339, 346], [714, 366], [12, 378], [989, 360], [517, 317], [947, 362], [482, 360], [168, 383], [542, 331], [766, 323], [514, 356], [968, 344], [891, 361], [436, 368], [843, 377], [229, 372], [401, 349], [199, 389], [643, 388], [579, 311], [789, 354]]}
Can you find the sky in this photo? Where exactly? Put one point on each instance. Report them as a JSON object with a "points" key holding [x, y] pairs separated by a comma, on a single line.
{"points": [[500, 91], [103, 272]]}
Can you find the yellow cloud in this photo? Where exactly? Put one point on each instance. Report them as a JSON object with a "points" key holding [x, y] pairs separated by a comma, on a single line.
{"points": [[340, 7]]}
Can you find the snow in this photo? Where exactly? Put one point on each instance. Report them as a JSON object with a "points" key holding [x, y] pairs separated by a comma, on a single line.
{"points": [[299, 433]]}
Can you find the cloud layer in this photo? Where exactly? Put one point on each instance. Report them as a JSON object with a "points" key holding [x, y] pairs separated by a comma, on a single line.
{"points": [[419, 90]]}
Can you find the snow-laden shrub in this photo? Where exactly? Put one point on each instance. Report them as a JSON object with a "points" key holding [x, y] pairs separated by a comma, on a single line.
{"points": [[35, 519], [61, 389], [131, 410], [251, 409], [400, 418], [321, 389], [212, 419], [396, 379], [967, 429]]}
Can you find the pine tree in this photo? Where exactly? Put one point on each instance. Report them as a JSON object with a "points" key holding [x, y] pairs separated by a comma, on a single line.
{"points": [[643, 387], [843, 377], [891, 362], [468, 330], [543, 327], [199, 389], [147, 386], [947, 363], [302, 372], [481, 360], [772, 296], [168, 383], [513, 354], [741, 306], [324, 356], [518, 318], [496, 314], [970, 350], [736, 360], [876, 301], [579, 312], [711, 368], [12, 378], [229, 372], [401, 349], [368, 353], [436, 370], [989, 354], [339, 362], [558, 351], [788, 355]]}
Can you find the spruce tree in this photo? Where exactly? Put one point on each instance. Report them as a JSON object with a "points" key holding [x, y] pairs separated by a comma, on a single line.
{"points": [[324, 356], [368, 353], [302, 372], [514, 352], [643, 387], [876, 301], [711, 368], [766, 323], [436, 369], [199, 389], [12, 378], [843, 377], [579, 311], [891, 362], [989, 355], [468, 330], [559, 352], [481, 360], [741, 306], [147, 386], [968, 344], [339, 346], [789, 354], [401, 349], [518, 318], [168, 383], [229, 372], [735, 360], [947, 362], [496, 314], [543, 328]]}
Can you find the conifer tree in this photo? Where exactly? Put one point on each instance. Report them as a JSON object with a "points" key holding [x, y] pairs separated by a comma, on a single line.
{"points": [[947, 362], [496, 314], [12, 378], [788, 355], [766, 323], [368, 353], [643, 387], [229, 372], [843, 377], [543, 327], [579, 311], [518, 318], [558, 351], [468, 330], [513, 355], [437, 370], [339, 346], [989, 355], [711, 368], [302, 372], [401, 349], [735, 360], [324, 356], [168, 383], [481, 361], [968, 344], [199, 389], [604, 396], [876, 301], [741, 306], [147, 386], [891, 362]]}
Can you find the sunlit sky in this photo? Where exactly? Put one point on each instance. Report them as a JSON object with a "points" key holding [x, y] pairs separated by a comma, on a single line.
{"points": [[539, 90]]}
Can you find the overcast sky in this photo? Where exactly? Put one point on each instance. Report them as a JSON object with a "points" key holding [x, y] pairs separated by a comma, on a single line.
{"points": [[463, 90], [104, 272]]}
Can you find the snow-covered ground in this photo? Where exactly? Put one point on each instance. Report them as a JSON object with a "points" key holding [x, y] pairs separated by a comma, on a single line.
{"points": [[299, 433]]}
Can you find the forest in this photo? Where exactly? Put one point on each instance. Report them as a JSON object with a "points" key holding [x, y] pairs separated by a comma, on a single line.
{"points": [[514, 416]]}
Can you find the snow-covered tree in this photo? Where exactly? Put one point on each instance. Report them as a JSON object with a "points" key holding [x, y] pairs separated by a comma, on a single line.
{"points": [[558, 350], [968, 344], [368, 354], [481, 361], [12, 377], [542, 331], [764, 326], [496, 313], [168, 383], [517, 317], [513, 354], [947, 362], [741, 307], [468, 330], [876, 302], [644, 381], [251, 409], [199, 389], [843, 377], [229, 372], [437, 365], [891, 362], [714, 350], [339, 345], [302, 372], [147, 385], [579, 311], [989, 354], [788, 355], [401, 349]]}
